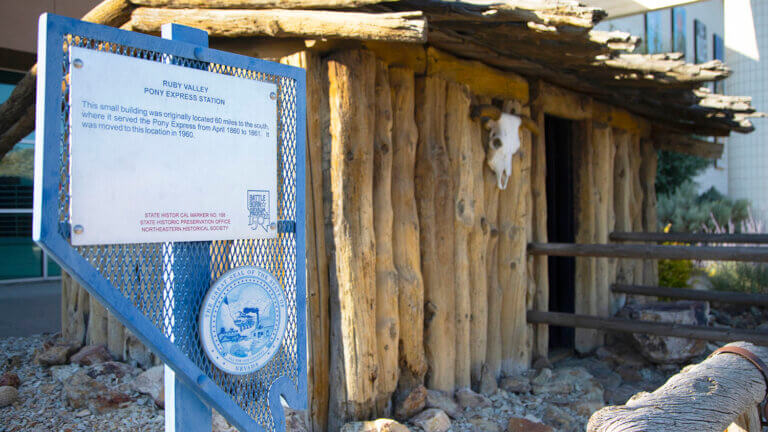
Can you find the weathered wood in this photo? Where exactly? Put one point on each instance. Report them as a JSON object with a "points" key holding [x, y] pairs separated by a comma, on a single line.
{"points": [[434, 199], [636, 203], [747, 422], [636, 251], [478, 253], [258, 4], [387, 315], [115, 337], [539, 211], [513, 275], [706, 397], [623, 271], [351, 99], [649, 210], [586, 268], [493, 344], [647, 327], [279, 23], [660, 237], [564, 103], [603, 154], [405, 231], [619, 118], [482, 79], [692, 294], [317, 258], [97, 323], [458, 145], [397, 54]]}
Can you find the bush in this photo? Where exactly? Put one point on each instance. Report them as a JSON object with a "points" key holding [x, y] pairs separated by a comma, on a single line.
{"points": [[686, 211], [744, 277], [675, 273], [675, 169]]}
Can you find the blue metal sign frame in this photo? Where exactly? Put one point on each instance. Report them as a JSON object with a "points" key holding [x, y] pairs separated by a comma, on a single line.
{"points": [[50, 226]]}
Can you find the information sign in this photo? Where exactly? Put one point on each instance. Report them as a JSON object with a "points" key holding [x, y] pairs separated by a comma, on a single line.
{"points": [[161, 152]]}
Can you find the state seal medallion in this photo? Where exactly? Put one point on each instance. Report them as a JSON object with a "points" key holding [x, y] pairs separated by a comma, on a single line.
{"points": [[243, 320]]}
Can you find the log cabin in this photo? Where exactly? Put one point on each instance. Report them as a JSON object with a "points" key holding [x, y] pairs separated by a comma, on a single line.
{"points": [[442, 138]]}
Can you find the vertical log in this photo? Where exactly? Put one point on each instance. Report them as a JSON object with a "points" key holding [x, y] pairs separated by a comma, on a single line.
{"points": [[494, 293], [513, 275], [478, 250], [351, 98], [115, 337], [457, 138], [77, 305], [636, 206], [97, 323], [650, 224], [603, 153], [66, 318], [540, 263], [586, 295], [387, 315], [622, 195], [434, 200], [405, 231], [317, 258]]}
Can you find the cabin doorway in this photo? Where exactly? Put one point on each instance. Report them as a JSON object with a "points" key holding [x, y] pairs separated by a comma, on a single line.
{"points": [[561, 228]]}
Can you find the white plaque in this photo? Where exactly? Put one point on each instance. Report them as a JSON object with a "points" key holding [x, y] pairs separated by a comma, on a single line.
{"points": [[160, 152]]}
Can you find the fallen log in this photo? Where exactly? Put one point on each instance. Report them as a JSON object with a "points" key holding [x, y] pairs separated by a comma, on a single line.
{"points": [[647, 327], [279, 23], [657, 237], [692, 294], [754, 254], [706, 397]]}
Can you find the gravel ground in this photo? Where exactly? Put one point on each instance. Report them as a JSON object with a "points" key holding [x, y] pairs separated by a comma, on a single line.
{"points": [[42, 405]]}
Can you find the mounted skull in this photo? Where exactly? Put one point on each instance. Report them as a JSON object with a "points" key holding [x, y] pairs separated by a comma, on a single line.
{"points": [[503, 139]]}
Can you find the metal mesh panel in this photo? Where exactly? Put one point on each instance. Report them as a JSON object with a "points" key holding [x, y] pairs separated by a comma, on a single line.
{"points": [[168, 281]]}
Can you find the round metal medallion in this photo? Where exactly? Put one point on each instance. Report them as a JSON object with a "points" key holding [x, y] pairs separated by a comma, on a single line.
{"points": [[243, 320]]}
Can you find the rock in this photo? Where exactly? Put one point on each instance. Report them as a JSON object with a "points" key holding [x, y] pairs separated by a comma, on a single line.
{"points": [[408, 405], [61, 373], [90, 355], [548, 383], [56, 354], [488, 384], [444, 401], [432, 420], [663, 349], [380, 425], [585, 408], [620, 395], [82, 391], [220, 424], [541, 363], [118, 369], [517, 424], [150, 382], [8, 395], [295, 420], [469, 399], [543, 377], [629, 373], [9, 379], [483, 424], [558, 417], [516, 384]]}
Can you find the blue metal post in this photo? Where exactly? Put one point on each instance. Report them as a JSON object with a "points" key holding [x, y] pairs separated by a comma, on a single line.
{"points": [[189, 263]]}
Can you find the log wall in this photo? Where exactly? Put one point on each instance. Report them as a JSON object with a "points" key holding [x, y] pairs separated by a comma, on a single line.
{"points": [[417, 264]]}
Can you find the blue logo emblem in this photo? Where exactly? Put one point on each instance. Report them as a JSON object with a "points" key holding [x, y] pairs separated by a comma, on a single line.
{"points": [[243, 320], [258, 209]]}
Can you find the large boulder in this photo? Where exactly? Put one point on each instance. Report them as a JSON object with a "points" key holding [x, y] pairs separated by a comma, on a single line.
{"points": [[81, 391], [432, 420], [150, 382], [667, 349], [409, 404], [380, 425]]}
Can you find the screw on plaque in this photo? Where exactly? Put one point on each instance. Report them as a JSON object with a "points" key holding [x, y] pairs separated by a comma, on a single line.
{"points": [[273, 226], [77, 63], [273, 95], [78, 229]]}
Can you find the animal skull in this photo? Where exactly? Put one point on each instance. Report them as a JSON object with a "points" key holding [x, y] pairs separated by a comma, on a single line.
{"points": [[504, 142]]}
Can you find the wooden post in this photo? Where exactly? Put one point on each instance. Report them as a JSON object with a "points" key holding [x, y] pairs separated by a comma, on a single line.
{"points": [[317, 258], [434, 200], [387, 315], [97, 323], [478, 250], [493, 347], [539, 211], [515, 349], [706, 397], [76, 300], [657, 237], [352, 101], [603, 153], [586, 295], [457, 139], [639, 251], [636, 204], [760, 300], [650, 224], [405, 231], [622, 191]]}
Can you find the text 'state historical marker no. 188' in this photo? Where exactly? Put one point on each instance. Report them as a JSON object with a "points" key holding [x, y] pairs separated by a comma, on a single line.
{"points": [[169, 181]]}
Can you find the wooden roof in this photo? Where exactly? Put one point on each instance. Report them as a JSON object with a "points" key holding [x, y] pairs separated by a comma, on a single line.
{"points": [[552, 40]]}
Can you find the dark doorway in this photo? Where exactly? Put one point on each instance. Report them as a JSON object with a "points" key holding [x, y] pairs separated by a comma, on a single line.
{"points": [[559, 135]]}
